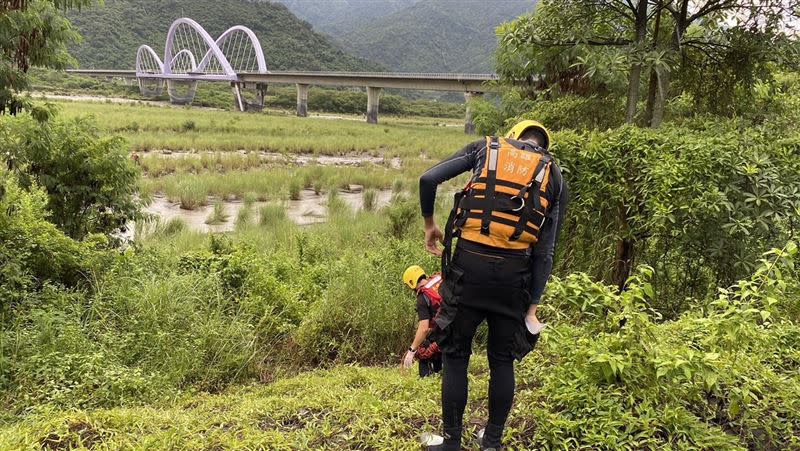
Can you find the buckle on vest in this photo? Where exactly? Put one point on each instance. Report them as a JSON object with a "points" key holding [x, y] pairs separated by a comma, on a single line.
{"points": [[521, 201]]}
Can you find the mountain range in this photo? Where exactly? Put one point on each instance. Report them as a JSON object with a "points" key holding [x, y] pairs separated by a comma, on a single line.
{"points": [[113, 32], [415, 35], [344, 35]]}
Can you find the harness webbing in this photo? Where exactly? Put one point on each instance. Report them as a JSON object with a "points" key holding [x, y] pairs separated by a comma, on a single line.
{"points": [[491, 180], [531, 195]]}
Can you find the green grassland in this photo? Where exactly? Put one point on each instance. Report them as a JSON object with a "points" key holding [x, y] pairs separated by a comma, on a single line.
{"points": [[226, 172], [152, 128]]}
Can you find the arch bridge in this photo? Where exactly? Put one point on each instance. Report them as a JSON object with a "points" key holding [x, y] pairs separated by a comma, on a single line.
{"points": [[192, 55]]}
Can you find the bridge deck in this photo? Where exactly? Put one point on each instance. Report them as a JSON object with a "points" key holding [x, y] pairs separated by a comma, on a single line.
{"points": [[416, 81]]}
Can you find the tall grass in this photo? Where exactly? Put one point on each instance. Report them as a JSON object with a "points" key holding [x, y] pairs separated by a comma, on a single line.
{"points": [[272, 214], [190, 196], [192, 190], [166, 128], [370, 199], [294, 189], [218, 215]]}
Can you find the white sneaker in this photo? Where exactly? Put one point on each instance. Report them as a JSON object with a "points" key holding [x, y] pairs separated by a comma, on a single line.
{"points": [[481, 434], [429, 439]]}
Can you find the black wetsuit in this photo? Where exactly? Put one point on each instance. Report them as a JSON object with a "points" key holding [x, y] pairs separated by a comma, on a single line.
{"points": [[496, 285]]}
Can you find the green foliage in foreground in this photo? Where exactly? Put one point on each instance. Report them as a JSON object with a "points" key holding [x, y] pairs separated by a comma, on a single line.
{"points": [[607, 376], [33, 251], [699, 202], [89, 179], [181, 313]]}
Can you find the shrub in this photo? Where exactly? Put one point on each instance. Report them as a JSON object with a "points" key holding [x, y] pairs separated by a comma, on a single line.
{"points": [[403, 217], [189, 126], [696, 204], [90, 180], [33, 252]]}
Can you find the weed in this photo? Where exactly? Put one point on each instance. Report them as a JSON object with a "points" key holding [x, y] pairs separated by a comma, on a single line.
{"points": [[191, 196], [189, 126], [336, 205], [295, 187], [245, 216], [173, 227], [218, 215], [370, 199], [272, 214], [250, 199]]}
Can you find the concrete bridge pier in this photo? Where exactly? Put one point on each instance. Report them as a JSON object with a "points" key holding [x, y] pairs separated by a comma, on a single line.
{"points": [[181, 92], [240, 99], [151, 87], [469, 124], [302, 99], [373, 102]]}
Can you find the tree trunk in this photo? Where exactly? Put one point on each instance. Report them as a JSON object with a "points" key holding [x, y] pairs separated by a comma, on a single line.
{"points": [[634, 80], [623, 257], [623, 263], [635, 76], [651, 97], [660, 104], [662, 93], [653, 84]]}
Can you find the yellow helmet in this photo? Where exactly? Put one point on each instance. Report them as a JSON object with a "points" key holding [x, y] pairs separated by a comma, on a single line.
{"points": [[517, 131], [411, 276]]}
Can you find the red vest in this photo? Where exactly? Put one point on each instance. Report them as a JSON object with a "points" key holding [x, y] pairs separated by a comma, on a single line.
{"points": [[431, 291]]}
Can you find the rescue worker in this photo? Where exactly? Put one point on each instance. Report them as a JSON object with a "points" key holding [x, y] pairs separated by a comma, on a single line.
{"points": [[507, 220], [428, 302]]}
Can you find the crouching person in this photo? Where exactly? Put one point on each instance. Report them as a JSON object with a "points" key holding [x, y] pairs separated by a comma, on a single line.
{"points": [[428, 300]]}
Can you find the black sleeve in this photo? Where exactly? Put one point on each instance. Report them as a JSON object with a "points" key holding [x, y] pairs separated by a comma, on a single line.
{"points": [[542, 258], [459, 163], [423, 312]]}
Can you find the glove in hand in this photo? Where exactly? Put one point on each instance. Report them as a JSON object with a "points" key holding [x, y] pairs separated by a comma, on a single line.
{"points": [[408, 360]]}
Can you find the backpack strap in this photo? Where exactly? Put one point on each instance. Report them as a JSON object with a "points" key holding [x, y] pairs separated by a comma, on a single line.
{"points": [[491, 180], [534, 204], [451, 230]]}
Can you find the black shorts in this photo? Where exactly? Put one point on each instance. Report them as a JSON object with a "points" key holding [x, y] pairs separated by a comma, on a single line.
{"points": [[483, 283]]}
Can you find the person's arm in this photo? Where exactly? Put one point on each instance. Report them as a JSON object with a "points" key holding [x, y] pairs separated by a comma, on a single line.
{"points": [[542, 257], [460, 162], [423, 330]]}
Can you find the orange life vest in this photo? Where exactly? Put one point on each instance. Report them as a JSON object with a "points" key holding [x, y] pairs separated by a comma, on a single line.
{"points": [[504, 206]]}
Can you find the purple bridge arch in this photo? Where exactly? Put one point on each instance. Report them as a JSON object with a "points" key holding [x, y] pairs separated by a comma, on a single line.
{"points": [[192, 55]]}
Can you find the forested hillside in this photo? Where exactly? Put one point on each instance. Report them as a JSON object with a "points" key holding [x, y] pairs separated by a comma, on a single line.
{"points": [[338, 16], [113, 32], [440, 36]]}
